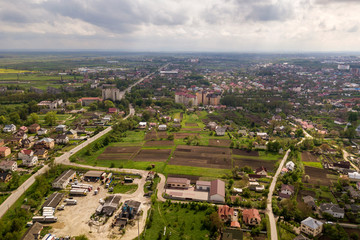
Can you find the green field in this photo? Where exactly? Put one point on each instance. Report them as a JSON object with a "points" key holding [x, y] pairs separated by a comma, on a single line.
{"points": [[196, 171], [181, 222], [313, 164], [126, 188]]}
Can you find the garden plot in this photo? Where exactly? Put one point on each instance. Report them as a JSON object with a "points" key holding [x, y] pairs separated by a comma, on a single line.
{"points": [[219, 142], [195, 156], [152, 155], [119, 153]]}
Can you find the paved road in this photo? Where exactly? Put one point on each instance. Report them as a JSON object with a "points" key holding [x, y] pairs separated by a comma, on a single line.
{"points": [[274, 235]]}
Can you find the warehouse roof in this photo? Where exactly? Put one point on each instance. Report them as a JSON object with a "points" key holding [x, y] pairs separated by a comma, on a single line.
{"points": [[64, 176], [53, 200]]}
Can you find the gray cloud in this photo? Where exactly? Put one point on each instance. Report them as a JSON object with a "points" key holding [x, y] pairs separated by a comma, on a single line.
{"points": [[270, 12]]}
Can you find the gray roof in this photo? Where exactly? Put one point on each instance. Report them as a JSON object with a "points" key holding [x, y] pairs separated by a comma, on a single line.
{"points": [[64, 176], [312, 223], [331, 207]]}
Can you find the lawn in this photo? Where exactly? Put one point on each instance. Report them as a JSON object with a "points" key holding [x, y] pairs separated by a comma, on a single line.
{"points": [[126, 188], [192, 118], [196, 171], [313, 164], [180, 221]]}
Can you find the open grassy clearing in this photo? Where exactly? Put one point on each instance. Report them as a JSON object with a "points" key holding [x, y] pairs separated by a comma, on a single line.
{"points": [[313, 164], [182, 222], [126, 188], [196, 171], [9, 70]]}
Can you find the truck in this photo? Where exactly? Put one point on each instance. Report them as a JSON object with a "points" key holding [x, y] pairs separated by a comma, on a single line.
{"points": [[78, 192], [44, 219], [70, 201]]}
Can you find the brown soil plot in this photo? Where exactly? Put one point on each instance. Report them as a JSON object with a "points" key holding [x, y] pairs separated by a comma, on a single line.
{"points": [[153, 155], [219, 142], [308, 157]]}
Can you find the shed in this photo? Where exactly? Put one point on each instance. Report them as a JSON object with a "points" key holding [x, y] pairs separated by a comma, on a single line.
{"points": [[111, 204], [53, 200], [93, 176], [64, 179]]}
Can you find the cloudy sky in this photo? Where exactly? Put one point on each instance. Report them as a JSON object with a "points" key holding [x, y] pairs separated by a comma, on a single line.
{"points": [[181, 25]]}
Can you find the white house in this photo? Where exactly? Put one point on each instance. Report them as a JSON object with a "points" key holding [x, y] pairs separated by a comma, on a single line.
{"points": [[60, 128], [203, 185], [25, 153], [290, 165], [30, 161], [42, 131], [9, 128], [311, 227], [8, 165], [332, 209], [162, 127], [62, 139], [217, 191], [354, 175], [142, 124]]}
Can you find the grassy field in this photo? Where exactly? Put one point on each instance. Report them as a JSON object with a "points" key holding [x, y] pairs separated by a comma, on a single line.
{"points": [[181, 223], [126, 188], [5, 70], [196, 171], [313, 164]]}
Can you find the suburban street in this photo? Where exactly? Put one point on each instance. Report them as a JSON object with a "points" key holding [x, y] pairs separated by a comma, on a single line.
{"points": [[274, 235]]}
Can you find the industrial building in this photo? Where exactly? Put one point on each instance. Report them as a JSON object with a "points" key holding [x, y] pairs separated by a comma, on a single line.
{"points": [[63, 180]]}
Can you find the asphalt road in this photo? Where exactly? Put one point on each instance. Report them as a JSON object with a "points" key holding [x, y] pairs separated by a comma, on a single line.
{"points": [[274, 235]]}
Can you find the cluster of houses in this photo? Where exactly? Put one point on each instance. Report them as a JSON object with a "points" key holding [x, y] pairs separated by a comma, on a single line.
{"points": [[145, 125]]}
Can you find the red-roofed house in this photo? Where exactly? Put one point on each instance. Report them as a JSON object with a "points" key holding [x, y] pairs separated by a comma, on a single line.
{"points": [[5, 151], [112, 110], [235, 224], [25, 153], [225, 212], [217, 191], [86, 101], [251, 216]]}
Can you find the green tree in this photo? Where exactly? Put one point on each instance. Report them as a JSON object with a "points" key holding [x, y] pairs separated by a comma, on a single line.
{"points": [[3, 119], [350, 133], [33, 118], [14, 117], [109, 104], [353, 116], [50, 118]]}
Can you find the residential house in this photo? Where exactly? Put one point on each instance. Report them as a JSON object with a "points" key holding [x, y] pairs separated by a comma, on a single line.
{"points": [[14, 142], [5, 151], [262, 171], [61, 128], [106, 118], [311, 227], [203, 185], [310, 202], [9, 128], [251, 217], [20, 134], [30, 161], [162, 127], [353, 193], [225, 212], [34, 128], [290, 165], [173, 182], [25, 153], [263, 135], [354, 208], [62, 139], [113, 110], [42, 131], [41, 153], [212, 126], [72, 134], [48, 143], [220, 131], [27, 143], [142, 125], [286, 191], [242, 132], [217, 191], [23, 128], [63, 180], [332, 209], [8, 165], [5, 177]]}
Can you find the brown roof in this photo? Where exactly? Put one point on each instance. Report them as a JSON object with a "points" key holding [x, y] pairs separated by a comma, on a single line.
{"points": [[224, 211], [178, 180], [34, 229], [96, 174], [217, 187], [287, 187], [7, 163], [250, 213]]}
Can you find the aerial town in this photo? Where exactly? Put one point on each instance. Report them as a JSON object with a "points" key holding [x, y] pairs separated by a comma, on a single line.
{"points": [[179, 146]]}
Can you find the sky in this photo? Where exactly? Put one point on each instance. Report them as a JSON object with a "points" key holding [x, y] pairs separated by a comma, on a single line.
{"points": [[181, 25]]}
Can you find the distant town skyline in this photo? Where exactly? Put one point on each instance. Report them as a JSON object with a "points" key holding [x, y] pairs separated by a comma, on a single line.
{"points": [[183, 25]]}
